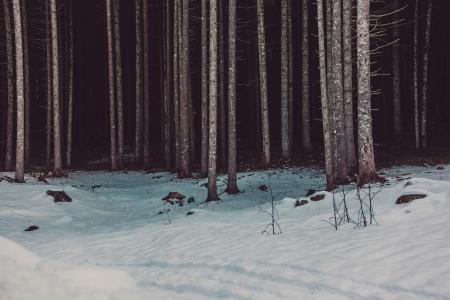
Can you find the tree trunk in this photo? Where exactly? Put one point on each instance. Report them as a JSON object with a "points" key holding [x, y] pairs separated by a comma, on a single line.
{"points": [[49, 90], [139, 95], [147, 87], [212, 137], [168, 98], [415, 79], [176, 80], [26, 70], [222, 107], [119, 84], [367, 171], [185, 161], [57, 163], [204, 142], [348, 84], [20, 138], [111, 91], [10, 87], [263, 83], [232, 177], [285, 143], [324, 99], [338, 92], [330, 85], [70, 89], [426, 55], [396, 74], [291, 76], [306, 124]]}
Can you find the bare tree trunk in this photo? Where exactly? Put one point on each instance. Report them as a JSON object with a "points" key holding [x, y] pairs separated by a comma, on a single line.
{"points": [[185, 161], [426, 55], [57, 163], [285, 143], [168, 98], [139, 95], [396, 75], [70, 89], [330, 85], [119, 84], [212, 137], [338, 92], [146, 87], [306, 124], [10, 87], [222, 107], [324, 99], [291, 76], [263, 82], [204, 146], [415, 80], [26, 70], [348, 84], [20, 139], [48, 85], [367, 172], [111, 91], [176, 80], [232, 177]]}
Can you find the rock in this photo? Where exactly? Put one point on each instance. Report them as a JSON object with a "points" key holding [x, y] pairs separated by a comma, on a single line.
{"points": [[190, 213], [310, 192], [317, 197], [94, 187], [262, 188], [32, 228], [59, 196], [191, 200], [301, 202], [408, 183], [409, 198], [174, 196], [440, 168]]}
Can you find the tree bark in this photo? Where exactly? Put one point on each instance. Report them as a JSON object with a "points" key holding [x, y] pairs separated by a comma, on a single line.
{"points": [[426, 55], [176, 80], [48, 85], [263, 83], [232, 176], [212, 137], [367, 172], [139, 94], [415, 79], [204, 118], [168, 99], [26, 71], [70, 89], [10, 87], [290, 77], [397, 108], [147, 85], [119, 84], [285, 143], [306, 124], [20, 137], [222, 106]]}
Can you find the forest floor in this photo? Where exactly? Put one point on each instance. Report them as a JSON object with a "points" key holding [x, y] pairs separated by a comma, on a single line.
{"points": [[118, 239]]}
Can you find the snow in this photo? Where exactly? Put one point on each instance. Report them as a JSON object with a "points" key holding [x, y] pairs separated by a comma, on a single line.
{"points": [[117, 241]]}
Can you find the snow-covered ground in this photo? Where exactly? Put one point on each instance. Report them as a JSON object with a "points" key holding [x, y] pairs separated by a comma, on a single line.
{"points": [[116, 240]]}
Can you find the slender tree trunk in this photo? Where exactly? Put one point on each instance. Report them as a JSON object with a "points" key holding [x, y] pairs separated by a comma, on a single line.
{"points": [[119, 84], [291, 76], [10, 87], [26, 70], [415, 80], [232, 177], [367, 172], [111, 91], [57, 163], [176, 81], [185, 161], [324, 99], [348, 84], [330, 85], [285, 143], [222, 106], [139, 94], [306, 124], [204, 146], [396, 75], [20, 139], [146, 87], [426, 55], [338, 92], [70, 89], [169, 94], [263, 82], [49, 91], [212, 137]]}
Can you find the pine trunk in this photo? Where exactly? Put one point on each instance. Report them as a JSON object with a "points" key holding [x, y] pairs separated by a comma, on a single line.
{"points": [[285, 143], [306, 124], [415, 79], [147, 86], [139, 95], [426, 55], [168, 99], [26, 71], [49, 90], [204, 120], [222, 107], [119, 84], [70, 89], [176, 80], [396, 75]]}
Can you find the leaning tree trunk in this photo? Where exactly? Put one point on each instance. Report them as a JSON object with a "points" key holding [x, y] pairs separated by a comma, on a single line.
{"points": [[10, 87], [263, 83], [397, 108], [119, 84], [348, 84], [111, 91], [426, 54], [324, 99], [20, 138], [212, 137], [146, 84], [285, 143], [367, 172], [204, 118], [70, 89], [306, 124], [232, 177], [185, 161], [415, 79], [139, 114], [57, 162], [26, 70], [338, 92]]}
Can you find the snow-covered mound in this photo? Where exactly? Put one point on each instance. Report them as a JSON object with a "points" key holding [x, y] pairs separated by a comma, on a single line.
{"points": [[119, 240]]}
